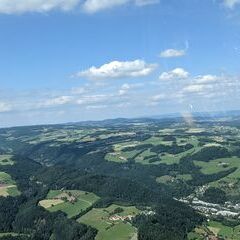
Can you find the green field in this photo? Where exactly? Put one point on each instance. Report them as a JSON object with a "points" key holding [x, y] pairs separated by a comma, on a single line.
{"points": [[156, 141], [9, 234], [50, 203], [230, 183], [219, 165], [115, 157], [7, 185], [121, 156], [214, 228], [6, 178], [184, 177], [10, 190], [70, 202], [6, 160], [165, 179], [170, 159], [168, 179], [109, 229]]}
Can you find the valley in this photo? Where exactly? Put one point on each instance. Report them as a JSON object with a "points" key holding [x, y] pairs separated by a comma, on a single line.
{"points": [[135, 179]]}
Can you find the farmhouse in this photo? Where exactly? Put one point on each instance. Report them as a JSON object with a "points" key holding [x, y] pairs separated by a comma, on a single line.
{"points": [[120, 218]]}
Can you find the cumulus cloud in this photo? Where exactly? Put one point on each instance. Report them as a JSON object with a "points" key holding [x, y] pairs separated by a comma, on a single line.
{"points": [[194, 88], [145, 2], [93, 6], [5, 107], [156, 99], [23, 6], [177, 73], [203, 83], [41, 6], [117, 69], [126, 87], [205, 79], [231, 3], [172, 53]]}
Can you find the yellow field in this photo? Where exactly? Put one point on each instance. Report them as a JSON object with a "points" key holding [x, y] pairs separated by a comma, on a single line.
{"points": [[4, 190], [50, 202]]}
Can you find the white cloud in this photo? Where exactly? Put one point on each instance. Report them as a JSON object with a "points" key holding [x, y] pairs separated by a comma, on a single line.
{"points": [[93, 99], [57, 101], [41, 6], [5, 107], [194, 88], [158, 97], [145, 2], [117, 69], [231, 3], [171, 53], [205, 79], [177, 73], [23, 6], [78, 90], [90, 107], [204, 83], [93, 6], [126, 87]]}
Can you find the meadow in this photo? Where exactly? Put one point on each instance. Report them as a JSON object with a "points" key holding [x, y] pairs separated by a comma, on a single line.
{"points": [[71, 202], [215, 228], [7, 185], [108, 229], [6, 160]]}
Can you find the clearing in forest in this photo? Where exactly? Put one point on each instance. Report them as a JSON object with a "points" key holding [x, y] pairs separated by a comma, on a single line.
{"points": [[113, 222], [71, 202]]}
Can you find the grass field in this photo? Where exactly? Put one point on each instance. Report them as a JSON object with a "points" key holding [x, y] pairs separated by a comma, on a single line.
{"points": [[230, 183], [48, 203], [215, 228], [199, 233], [6, 160], [217, 165], [7, 185], [12, 235], [109, 229], [228, 233], [71, 202], [9, 190], [184, 177], [120, 156], [156, 141], [6, 178], [167, 178], [170, 159], [9, 234], [115, 157]]}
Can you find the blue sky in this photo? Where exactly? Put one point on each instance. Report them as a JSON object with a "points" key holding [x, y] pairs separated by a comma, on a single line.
{"points": [[74, 60]]}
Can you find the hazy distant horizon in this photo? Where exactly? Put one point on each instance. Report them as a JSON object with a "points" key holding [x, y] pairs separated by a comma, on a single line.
{"points": [[158, 116]]}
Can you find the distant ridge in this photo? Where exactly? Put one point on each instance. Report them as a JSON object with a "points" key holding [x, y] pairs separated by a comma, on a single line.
{"points": [[175, 117]]}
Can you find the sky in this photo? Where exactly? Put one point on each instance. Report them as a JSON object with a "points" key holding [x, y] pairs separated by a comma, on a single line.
{"points": [[77, 60]]}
